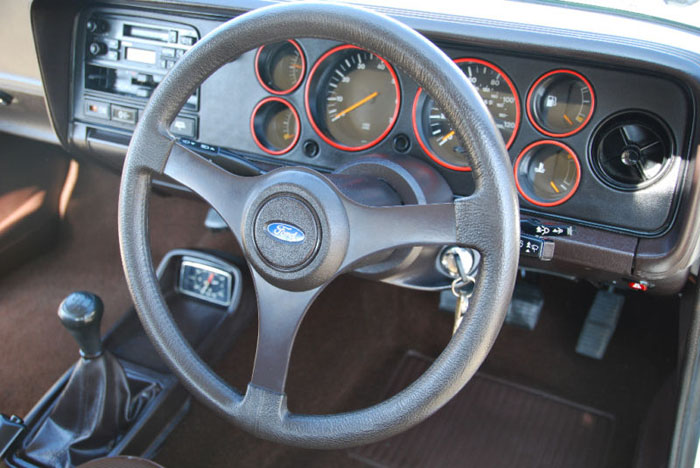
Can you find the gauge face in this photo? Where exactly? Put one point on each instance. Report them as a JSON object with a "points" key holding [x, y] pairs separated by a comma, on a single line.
{"points": [[205, 282], [275, 126], [352, 98], [561, 103], [436, 135], [547, 173], [280, 67]]}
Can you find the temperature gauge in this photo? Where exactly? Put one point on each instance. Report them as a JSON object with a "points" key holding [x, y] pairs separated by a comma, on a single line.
{"points": [[560, 103], [547, 173], [205, 282]]}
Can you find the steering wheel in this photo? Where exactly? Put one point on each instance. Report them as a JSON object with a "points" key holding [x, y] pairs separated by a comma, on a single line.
{"points": [[336, 232]]}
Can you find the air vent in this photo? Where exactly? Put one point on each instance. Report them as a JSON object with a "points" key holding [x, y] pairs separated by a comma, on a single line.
{"points": [[631, 150]]}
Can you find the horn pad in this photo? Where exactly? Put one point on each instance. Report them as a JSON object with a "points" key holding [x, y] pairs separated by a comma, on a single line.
{"points": [[286, 232], [296, 229]]}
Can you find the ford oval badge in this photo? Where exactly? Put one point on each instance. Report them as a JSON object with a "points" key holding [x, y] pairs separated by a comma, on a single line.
{"points": [[284, 232]]}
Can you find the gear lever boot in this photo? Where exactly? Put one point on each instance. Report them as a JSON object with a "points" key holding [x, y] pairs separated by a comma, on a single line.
{"points": [[95, 407]]}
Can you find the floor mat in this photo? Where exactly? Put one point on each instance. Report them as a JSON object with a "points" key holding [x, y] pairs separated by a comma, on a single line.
{"points": [[495, 423]]}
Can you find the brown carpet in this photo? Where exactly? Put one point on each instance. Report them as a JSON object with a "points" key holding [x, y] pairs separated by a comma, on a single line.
{"points": [[348, 346], [495, 423], [35, 349]]}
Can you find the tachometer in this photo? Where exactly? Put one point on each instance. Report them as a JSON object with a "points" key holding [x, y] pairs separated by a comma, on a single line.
{"points": [[434, 132], [352, 98]]}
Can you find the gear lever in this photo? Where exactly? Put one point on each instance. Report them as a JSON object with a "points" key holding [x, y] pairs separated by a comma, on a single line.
{"points": [[96, 404], [81, 314]]}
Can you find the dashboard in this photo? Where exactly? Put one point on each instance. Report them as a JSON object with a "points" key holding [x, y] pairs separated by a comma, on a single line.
{"points": [[601, 129]]}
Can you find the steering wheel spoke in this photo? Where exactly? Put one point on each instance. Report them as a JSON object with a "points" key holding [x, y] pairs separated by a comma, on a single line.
{"points": [[377, 229], [280, 313], [225, 192]]}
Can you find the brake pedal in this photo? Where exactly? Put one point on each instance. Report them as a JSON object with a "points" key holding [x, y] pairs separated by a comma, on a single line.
{"points": [[600, 324], [525, 305]]}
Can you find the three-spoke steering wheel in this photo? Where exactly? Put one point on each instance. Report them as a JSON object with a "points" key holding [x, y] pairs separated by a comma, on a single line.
{"points": [[330, 233]]}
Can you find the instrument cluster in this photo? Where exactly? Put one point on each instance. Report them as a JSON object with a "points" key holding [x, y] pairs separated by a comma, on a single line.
{"points": [[324, 103], [352, 101]]}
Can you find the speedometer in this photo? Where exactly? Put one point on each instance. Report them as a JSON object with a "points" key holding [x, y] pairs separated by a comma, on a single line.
{"points": [[436, 135], [352, 98]]}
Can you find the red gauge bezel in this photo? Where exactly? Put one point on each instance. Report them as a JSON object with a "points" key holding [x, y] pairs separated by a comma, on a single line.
{"points": [[299, 81], [540, 143], [316, 128], [426, 148], [531, 116], [296, 118]]}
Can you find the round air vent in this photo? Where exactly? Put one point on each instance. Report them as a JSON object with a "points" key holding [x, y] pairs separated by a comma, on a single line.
{"points": [[631, 150]]}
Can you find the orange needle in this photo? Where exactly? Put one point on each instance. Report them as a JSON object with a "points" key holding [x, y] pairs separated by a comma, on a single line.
{"points": [[296, 65], [551, 182], [446, 137], [355, 106], [566, 117]]}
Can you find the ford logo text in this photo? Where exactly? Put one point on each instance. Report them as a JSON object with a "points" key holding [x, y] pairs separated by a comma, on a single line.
{"points": [[284, 232]]}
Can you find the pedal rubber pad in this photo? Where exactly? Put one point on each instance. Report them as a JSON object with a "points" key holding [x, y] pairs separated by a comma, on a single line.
{"points": [[525, 305], [600, 324]]}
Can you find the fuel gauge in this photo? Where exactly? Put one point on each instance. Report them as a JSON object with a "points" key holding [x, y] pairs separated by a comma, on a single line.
{"points": [[547, 173], [560, 103]]}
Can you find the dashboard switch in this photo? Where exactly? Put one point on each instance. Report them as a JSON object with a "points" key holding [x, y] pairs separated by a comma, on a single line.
{"points": [[184, 126], [531, 246], [124, 114], [534, 227], [97, 109]]}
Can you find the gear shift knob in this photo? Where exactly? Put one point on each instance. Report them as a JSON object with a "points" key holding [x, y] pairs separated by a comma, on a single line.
{"points": [[81, 314]]}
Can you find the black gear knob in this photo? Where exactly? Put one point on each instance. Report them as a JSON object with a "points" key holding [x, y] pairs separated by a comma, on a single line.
{"points": [[81, 314]]}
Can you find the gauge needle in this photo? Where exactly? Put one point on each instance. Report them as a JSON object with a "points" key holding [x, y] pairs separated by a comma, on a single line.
{"points": [[566, 117], [442, 140], [356, 105], [551, 182], [296, 65], [207, 283], [287, 136]]}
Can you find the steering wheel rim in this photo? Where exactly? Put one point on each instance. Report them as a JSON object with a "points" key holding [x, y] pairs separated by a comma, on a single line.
{"points": [[262, 410]]}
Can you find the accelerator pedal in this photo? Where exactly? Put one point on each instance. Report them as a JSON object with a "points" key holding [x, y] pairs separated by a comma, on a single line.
{"points": [[600, 324]]}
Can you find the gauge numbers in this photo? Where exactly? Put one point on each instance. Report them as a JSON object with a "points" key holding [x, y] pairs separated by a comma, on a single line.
{"points": [[352, 98], [205, 282], [435, 133]]}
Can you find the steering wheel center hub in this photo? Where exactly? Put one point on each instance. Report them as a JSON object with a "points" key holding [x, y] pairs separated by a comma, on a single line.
{"points": [[286, 232], [296, 229]]}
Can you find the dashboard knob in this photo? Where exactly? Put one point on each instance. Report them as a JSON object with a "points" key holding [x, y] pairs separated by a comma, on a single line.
{"points": [[97, 48]]}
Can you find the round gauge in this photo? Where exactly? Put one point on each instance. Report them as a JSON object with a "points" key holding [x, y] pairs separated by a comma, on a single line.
{"points": [[352, 98], [560, 103], [280, 66], [275, 125], [547, 173], [434, 132]]}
